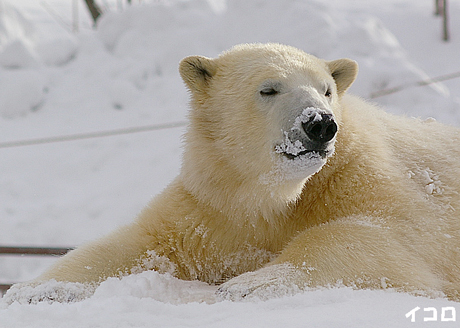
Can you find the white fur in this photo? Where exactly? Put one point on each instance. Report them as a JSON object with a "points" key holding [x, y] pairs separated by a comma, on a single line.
{"points": [[379, 211]]}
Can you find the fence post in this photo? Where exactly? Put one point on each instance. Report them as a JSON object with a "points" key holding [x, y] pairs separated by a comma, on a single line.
{"points": [[445, 21], [441, 10]]}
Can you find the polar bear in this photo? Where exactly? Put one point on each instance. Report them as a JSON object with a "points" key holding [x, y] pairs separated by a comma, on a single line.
{"points": [[289, 183]]}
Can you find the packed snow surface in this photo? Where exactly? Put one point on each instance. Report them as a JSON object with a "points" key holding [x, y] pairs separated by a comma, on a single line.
{"points": [[123, 75]]}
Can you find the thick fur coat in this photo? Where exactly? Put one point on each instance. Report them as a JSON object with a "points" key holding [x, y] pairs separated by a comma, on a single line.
{"points": [[286, 183]]}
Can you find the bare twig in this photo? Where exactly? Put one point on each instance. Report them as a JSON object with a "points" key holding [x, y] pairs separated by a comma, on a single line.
{"points": [[75, 16], [56, 16], [94, 10], [414, 84]]}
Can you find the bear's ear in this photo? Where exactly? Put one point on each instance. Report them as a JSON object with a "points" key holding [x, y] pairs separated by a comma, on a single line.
{"points": [[197, 71], [344, 72]]}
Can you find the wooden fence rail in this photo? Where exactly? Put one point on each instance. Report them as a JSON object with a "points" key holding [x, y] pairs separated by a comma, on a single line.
{"points": [[32, 251]]}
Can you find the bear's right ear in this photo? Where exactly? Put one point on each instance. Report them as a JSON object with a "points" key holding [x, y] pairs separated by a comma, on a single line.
{"points": [[197, 71]]}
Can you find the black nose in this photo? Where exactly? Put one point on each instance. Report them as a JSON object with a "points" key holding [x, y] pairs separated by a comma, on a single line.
{"points": [[320, 130]]}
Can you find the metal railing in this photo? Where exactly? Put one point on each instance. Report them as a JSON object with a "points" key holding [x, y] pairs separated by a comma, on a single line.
{"points": [[29, 251]]}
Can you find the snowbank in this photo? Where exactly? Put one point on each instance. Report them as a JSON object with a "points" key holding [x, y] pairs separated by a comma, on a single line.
{"points": [[150, 299], [125, 74], [144, 33]]}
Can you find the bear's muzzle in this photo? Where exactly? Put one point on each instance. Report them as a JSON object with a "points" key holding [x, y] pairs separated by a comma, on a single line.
{"points": [[312, 133]]}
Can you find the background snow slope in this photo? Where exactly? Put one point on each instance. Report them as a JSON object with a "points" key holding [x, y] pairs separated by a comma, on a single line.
{"points": [[124, 74]]}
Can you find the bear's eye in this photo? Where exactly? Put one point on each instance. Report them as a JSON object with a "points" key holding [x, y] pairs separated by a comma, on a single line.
{"points": [[328, 93], [268, 92]]}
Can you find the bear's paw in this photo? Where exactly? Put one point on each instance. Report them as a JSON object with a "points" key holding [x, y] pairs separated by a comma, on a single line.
{"points": [[272, 281], [50, 291]]}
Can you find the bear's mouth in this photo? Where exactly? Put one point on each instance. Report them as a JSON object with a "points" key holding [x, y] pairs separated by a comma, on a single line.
{"points": [[304, 150], [323, 153]]}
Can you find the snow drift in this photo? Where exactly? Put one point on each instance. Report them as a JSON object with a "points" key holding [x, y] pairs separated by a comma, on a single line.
{"points": [[124, 74]]}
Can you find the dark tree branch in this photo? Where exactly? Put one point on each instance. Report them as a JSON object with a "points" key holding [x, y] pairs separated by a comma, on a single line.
{"points": [[94, 10]]}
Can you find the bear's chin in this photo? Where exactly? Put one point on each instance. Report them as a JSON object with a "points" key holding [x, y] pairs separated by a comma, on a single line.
{"points": [[298, 168]]}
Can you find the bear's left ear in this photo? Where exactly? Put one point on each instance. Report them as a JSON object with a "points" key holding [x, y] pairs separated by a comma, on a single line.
{"points": [[197, 71], [344, 72]]}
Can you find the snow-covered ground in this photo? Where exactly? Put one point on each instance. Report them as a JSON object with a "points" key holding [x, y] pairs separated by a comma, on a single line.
{"points": [[124, 74]]}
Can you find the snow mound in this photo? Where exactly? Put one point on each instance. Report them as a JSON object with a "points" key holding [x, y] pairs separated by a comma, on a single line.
{"points": [[21, 91], [132, 302], [143, 46], [160, 287], [14, 26], [124, 74], [16, 55], [165, 33]]}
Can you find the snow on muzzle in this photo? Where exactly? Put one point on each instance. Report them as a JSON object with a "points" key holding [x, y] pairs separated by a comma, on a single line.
{"points": [[313, 132]]}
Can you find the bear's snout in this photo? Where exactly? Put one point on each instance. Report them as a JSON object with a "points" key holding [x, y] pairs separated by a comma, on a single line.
{"points": [[320, 128]]}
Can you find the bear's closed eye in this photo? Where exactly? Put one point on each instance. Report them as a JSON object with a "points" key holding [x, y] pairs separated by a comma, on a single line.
{"points": [[268, 92]]}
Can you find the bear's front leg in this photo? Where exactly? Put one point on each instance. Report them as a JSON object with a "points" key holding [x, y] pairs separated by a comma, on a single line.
{"points": [[350, 252], [76, 275]]}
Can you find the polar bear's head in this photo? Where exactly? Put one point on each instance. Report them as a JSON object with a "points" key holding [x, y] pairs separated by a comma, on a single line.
{"points": [[263, 113]]}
